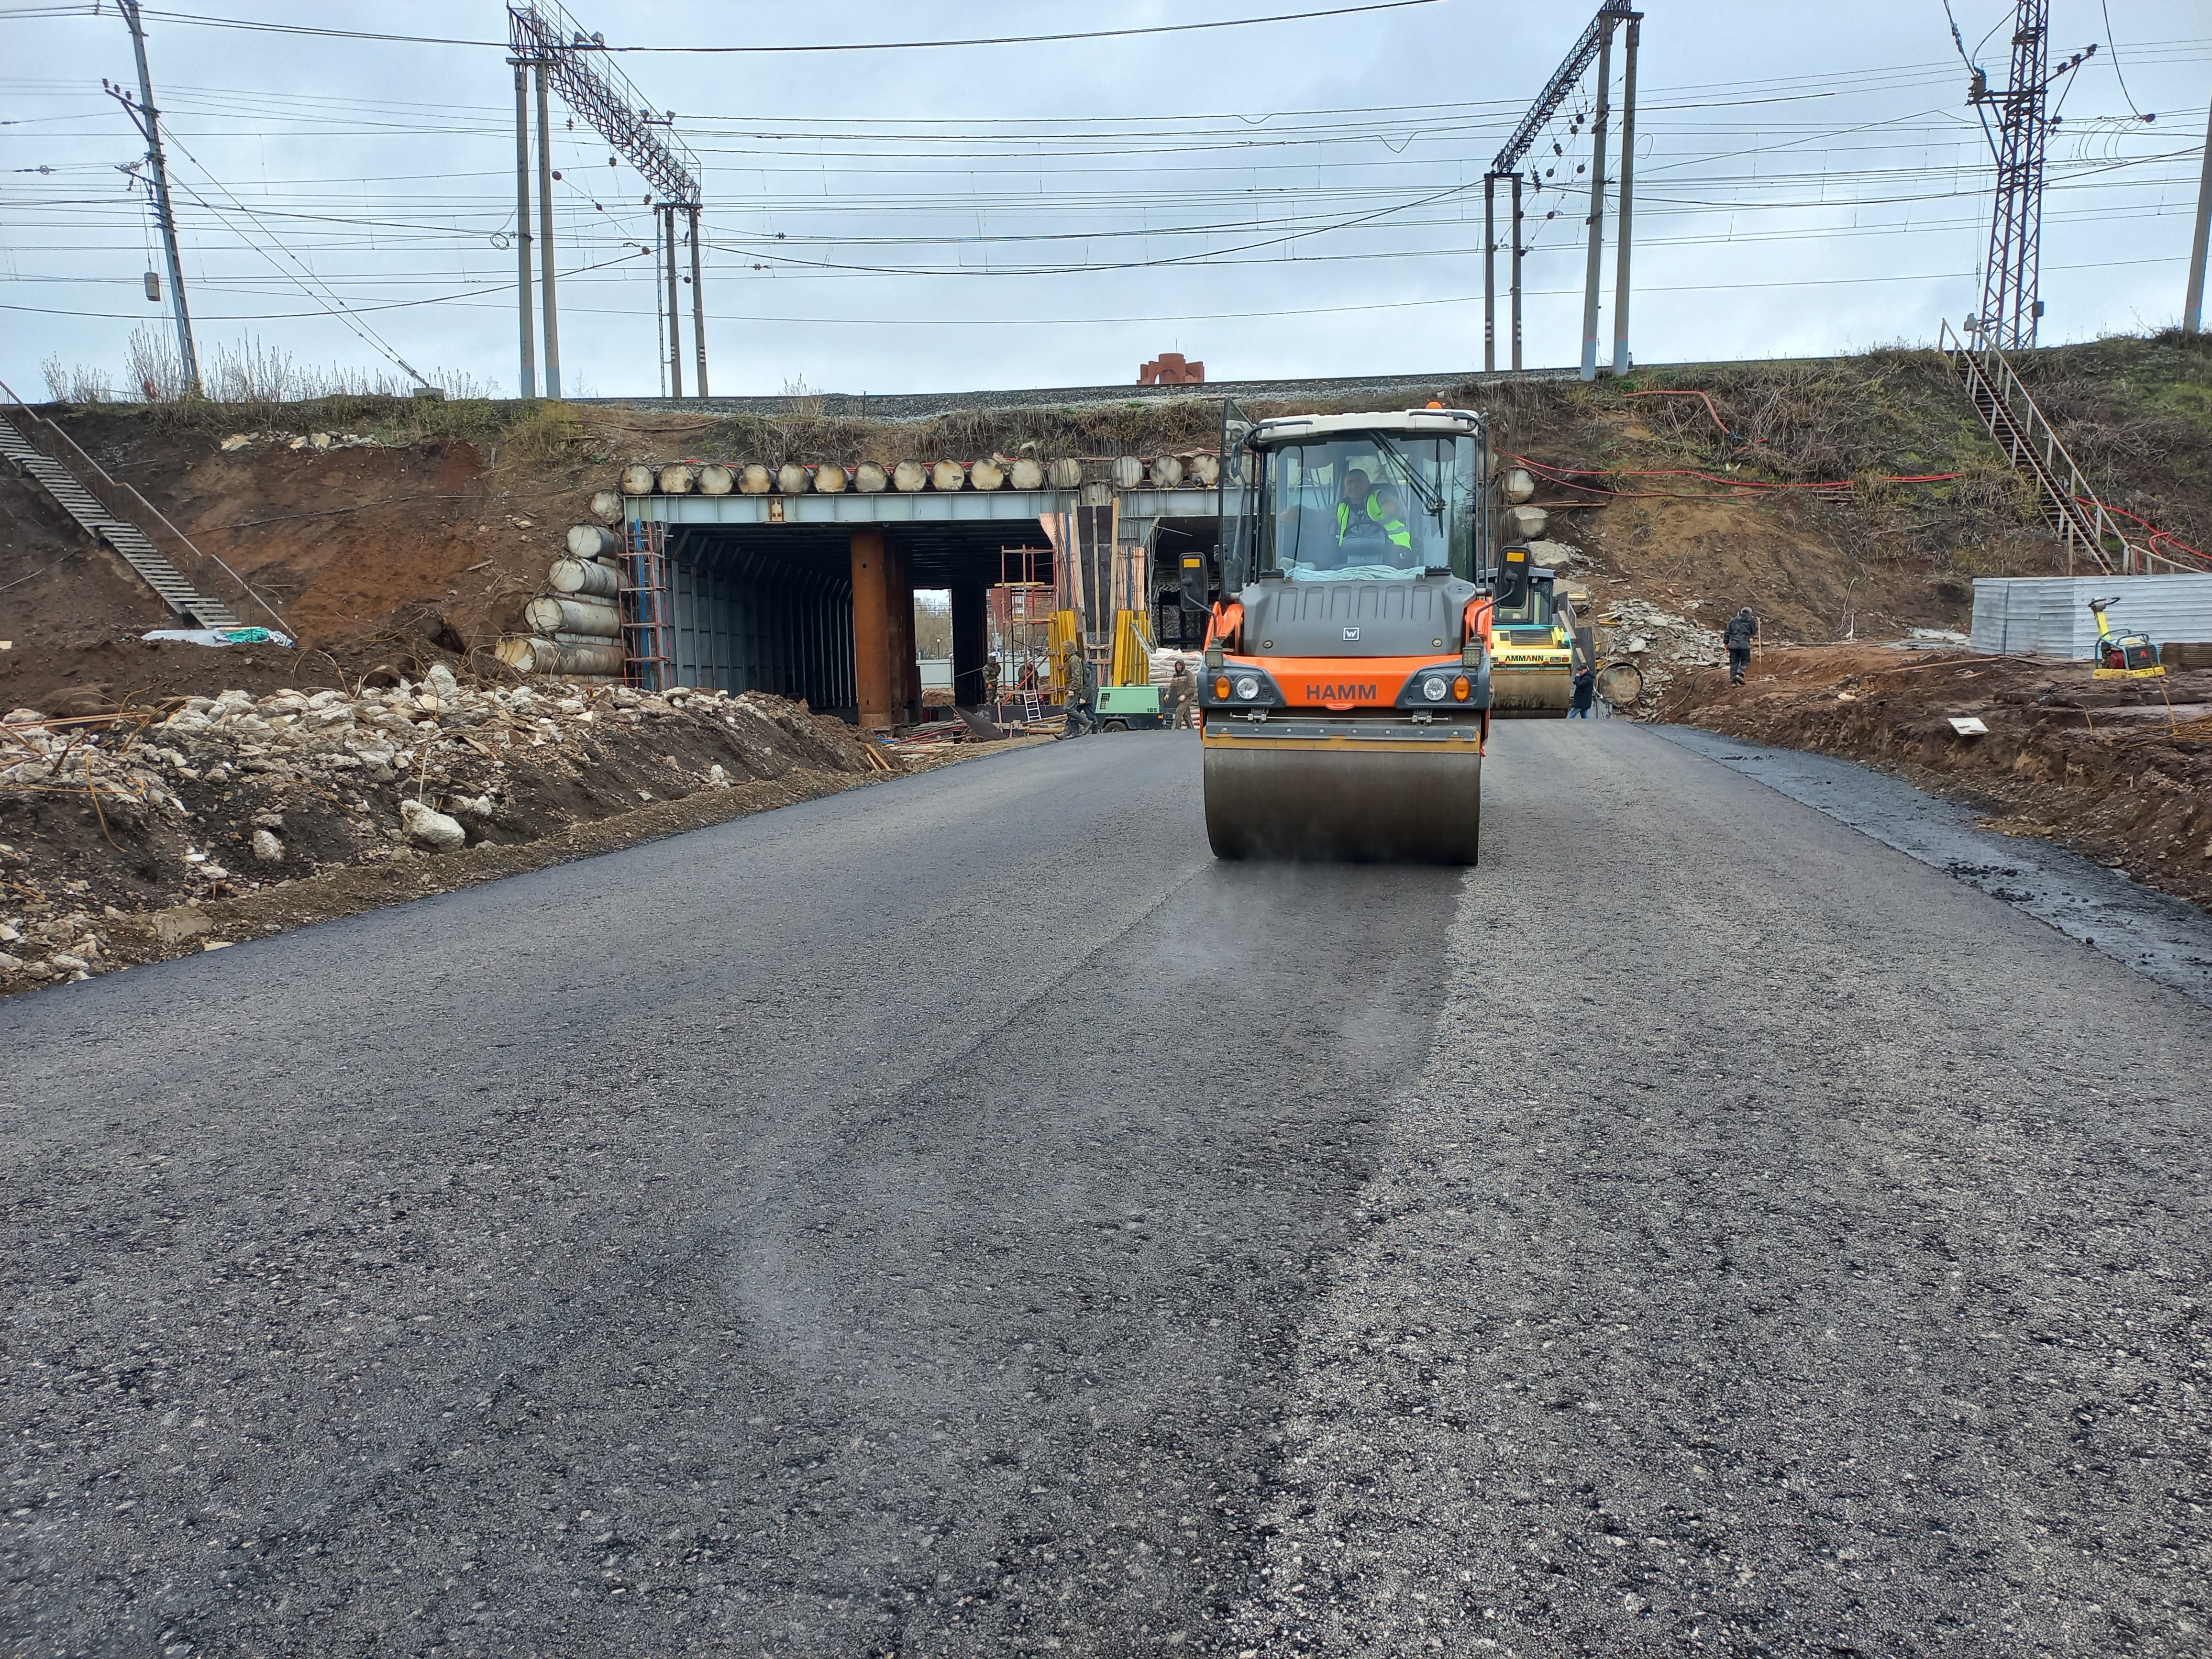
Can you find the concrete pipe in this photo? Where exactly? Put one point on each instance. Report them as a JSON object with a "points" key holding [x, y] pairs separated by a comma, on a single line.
{"points": [[1519, 485], [754, 479], [1066, 473], [548, 656], [1205, 470], [1026, 474], [791, 478], [986, 474], [592, 541], [516, 652], [552, 615], [1128, 473], [1167, 471], [868, 478], [676, 479], [715, 479], [910, 476], [637, 479], [948, 475], [583, 576], [606, 506], [829, 478]]}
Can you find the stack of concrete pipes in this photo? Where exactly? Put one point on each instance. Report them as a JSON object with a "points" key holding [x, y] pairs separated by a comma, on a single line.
{"points": [[1201, 470], [575, 621]]}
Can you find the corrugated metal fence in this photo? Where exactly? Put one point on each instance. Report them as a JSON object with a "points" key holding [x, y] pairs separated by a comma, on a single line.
{"points": [[2048, 616]]}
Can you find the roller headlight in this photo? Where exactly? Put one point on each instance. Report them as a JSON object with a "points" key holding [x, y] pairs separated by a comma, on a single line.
{"points": [[1434, 689], [1248, 688]]}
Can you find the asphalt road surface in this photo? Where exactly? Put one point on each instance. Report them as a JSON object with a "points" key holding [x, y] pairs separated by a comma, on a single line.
{"points": [[958, 1217]]}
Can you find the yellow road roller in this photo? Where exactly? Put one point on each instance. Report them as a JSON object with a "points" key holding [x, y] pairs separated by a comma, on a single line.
{"points": [[1346, 693], [1533, 648]]}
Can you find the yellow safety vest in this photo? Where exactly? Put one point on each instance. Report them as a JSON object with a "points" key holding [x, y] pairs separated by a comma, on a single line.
{"points": [[1344, 516]]}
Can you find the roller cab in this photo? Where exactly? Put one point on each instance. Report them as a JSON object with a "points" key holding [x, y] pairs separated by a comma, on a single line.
{"points": [[1346, 692]]}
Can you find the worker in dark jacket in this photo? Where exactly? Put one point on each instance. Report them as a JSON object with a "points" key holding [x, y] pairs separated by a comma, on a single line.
{"points": [[1742, 629], [1179, 695], [1585, 691], [1082, 685]]}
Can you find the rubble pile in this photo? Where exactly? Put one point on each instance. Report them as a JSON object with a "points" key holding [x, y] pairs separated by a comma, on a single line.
{"points": [[126, 819], [1661, 644]]}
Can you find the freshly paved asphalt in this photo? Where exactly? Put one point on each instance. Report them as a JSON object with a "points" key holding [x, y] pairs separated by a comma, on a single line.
{"points": [[958, 1217]]}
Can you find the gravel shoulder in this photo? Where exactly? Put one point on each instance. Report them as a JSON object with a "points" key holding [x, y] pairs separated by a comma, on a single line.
{"points": [[1843, 1296]]}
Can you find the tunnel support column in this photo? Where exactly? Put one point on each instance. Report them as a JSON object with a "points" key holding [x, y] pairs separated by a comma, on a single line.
{"points": [[905, 669], [971, 644], [872, 636]]}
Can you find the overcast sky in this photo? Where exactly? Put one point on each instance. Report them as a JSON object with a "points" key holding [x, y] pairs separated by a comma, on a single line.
{"points": [[1289, 199]]}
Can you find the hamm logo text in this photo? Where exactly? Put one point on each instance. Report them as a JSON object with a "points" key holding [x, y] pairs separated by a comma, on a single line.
{"points": [[1346, 692]]}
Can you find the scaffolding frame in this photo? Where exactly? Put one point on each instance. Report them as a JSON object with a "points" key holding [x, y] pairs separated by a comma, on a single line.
{"points": [[648, 628]]}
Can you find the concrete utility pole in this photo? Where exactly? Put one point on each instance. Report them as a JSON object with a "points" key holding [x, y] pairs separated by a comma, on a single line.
{"points": [[1489, 273], [1627, 195], [526, 381], [1597, 205], [698, 304], [150, 120], [545, 239], [2192, 312], [1517, 251], [675, 307]]}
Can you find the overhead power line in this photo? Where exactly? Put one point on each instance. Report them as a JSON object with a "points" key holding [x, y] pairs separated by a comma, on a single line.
{"points": [[258, 27]]}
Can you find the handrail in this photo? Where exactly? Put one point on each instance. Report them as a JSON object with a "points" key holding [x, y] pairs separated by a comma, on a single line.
{"points": [[2084, 513], [38, 424]]}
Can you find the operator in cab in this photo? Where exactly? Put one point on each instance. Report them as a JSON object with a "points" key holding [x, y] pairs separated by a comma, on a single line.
{"points": [[1359, 514], [1397, 534]]}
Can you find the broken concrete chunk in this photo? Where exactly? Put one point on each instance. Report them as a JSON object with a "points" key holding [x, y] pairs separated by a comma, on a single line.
{"points": [[431, 829], [267, 847]]}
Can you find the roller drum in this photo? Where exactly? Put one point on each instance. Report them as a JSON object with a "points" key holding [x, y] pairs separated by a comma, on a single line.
{"points": [[1337, 803], [1524, 694]]}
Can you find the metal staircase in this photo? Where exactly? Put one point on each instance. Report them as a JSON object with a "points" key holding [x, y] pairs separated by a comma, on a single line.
{"points": [[2022, 431], [95, 519]]}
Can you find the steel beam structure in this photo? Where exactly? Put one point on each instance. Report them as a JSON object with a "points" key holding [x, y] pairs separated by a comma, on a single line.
{"points": [[2010, 307], [1594, 47], [545, 36]]}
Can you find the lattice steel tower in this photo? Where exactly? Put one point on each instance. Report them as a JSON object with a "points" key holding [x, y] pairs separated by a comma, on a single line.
{"points": [[2010, 309]]}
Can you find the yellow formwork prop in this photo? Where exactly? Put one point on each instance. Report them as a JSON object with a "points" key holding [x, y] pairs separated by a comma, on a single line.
{"points": [[1133, 651], [1066, 639]]}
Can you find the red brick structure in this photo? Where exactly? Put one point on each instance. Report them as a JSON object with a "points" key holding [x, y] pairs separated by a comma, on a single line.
{"points": [[1169, 368]]}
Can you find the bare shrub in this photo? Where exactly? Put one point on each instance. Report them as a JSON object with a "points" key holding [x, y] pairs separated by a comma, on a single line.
{"points": [[79, 383], [156, 371]]}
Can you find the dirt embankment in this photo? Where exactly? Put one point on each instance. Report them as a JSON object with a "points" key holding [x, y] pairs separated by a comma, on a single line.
{"points": [[126, 840], [2109, 768]]}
